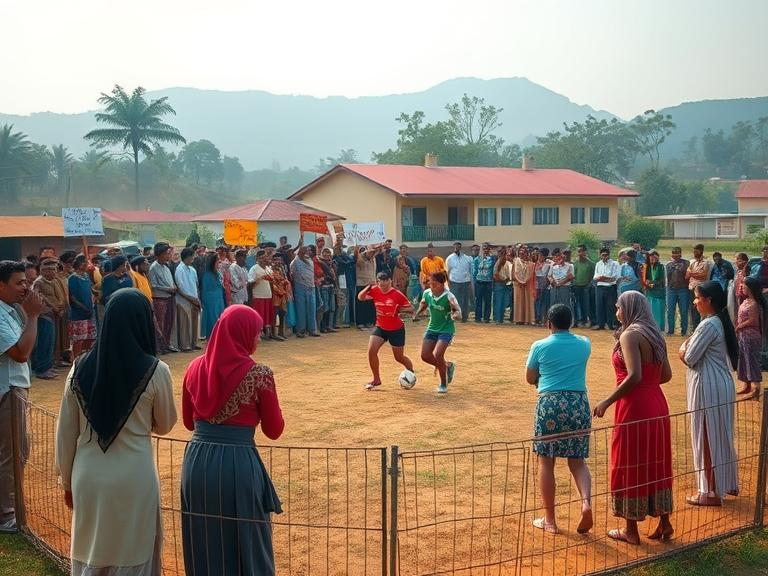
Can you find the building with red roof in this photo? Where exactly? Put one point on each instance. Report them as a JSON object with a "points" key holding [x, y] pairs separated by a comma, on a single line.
{"points": [[431, 203], [275, 218]]}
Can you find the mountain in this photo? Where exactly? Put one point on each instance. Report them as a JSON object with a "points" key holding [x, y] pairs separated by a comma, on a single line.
{"points": [[261, 128], [693, 118]]}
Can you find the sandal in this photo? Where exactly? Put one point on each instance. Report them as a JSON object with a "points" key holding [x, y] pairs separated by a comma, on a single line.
{"points": [[703, 500], [662, 535], [621, 536], [371, 385], [541, 524]]}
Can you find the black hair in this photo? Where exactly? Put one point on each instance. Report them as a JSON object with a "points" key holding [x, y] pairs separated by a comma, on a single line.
{"points": [[383, 276], [44, 248], [714, 291], [187, 252], [137, 261], [632, 256], [717, 254], [677, 249], [544, 251], [560, 317], [161, 248], [438, 277], [582, 247], [756, 288], [742, 256], [8, 268], [260, 253], [210, 262], [242, 254], [605, 250], [699, 247], [67, 256], [28, 265], [79, 260]]}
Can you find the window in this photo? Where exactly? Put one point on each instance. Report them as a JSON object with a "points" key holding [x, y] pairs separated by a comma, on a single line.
{"points": [[458, 215], [414, 216], [542, 216], [598, 216], [511, 216], [578, 216], [486, 216]]}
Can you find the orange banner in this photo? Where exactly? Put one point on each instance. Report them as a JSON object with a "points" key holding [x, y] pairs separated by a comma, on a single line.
{"points": [[240, 232], [313, 223]]}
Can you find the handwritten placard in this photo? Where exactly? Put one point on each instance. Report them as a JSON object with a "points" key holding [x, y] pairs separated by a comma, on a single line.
{"points": [[82, 222], [240, 232], [363, 233], [313, 223]]}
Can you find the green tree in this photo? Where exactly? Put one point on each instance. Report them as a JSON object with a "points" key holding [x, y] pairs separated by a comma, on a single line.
{"points": [[742, 140], [232, 171], [136, 126], [39, 165], [659, 193], [474, 121], [646, 232], [590, 239], [650, 131], [61, 164], [15, 151], [202, 159], [93, 160], [346, 156], [717, 149]]}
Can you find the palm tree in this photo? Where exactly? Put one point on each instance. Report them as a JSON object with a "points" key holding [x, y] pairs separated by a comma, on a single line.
{"points": [[136, 125], [62, 160], [15, 150]]}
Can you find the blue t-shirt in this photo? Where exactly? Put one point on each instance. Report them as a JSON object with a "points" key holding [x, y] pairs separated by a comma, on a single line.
{"points": [[562, 362], [80, 289]]}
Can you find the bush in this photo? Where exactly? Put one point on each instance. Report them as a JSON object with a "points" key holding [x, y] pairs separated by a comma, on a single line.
{"points": [[757, 240], [646, 232], [590, 239]]}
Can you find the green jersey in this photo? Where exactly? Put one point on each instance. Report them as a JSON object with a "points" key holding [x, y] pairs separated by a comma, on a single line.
{"points": [[440, 311]]}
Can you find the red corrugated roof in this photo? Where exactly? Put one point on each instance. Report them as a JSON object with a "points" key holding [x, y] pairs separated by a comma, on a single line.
{"points": [[753, 189], [270, 210], [145, 216], [31, 227], [477, 181]]}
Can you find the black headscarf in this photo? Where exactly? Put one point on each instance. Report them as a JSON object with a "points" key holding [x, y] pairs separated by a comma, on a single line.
{"points": [[112, 376]]}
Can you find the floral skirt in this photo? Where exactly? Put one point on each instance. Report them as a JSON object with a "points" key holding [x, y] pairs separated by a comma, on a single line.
{"points": [[562, 414], [80, 330]]}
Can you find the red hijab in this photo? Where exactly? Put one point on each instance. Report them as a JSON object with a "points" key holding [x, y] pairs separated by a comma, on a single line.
{"points": [[212, 378]]}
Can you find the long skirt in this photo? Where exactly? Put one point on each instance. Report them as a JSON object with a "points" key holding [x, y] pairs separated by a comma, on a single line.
{"points": [[42, 355], [222, 476], [562, 414], [523, 311], [213, 307], [641, 455], [750, 343], [658, 309]]}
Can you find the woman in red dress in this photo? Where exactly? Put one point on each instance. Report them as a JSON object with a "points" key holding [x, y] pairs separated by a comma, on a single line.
{"points": [[641, 447]]}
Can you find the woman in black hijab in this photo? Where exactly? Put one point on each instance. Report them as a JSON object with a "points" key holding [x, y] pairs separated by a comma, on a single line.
{"points": [[116, 396]]}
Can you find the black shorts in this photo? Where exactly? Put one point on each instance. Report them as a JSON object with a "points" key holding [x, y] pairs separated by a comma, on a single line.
{"points": [[396, 338]]}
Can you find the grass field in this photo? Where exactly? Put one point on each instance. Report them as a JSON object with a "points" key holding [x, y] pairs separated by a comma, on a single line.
{"points": [[459, 508]]}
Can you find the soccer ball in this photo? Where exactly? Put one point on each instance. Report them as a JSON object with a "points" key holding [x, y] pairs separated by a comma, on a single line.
{"points": [[407, 379]]}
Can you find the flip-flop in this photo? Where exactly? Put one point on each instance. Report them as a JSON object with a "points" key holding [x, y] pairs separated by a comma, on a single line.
{"points": [[662, 535], [586, 523], [621, 536], [371, 385], [541, 524], [703, 500]]}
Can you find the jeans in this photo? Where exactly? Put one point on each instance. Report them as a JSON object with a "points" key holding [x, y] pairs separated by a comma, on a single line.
{"points": [[501, 297], [483, 292], [42, 355], [606, 306], [461, 291], [541, 305], [581, 303], [695, 316], [328, 296], [677, 297], [304, 301]]}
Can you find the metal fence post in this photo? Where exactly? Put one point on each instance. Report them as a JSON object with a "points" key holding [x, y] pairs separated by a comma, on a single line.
{"points": [[384, 562], [18, 405], [394, 472], [761, 471]]}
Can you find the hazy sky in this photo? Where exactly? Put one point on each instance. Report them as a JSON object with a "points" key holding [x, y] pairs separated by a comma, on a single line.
{"points": [[624, 56]]}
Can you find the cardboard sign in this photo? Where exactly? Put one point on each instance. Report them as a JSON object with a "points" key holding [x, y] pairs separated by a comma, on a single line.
{"points": [[240, 232], [364, 233], [82, 222], [313, 223]]}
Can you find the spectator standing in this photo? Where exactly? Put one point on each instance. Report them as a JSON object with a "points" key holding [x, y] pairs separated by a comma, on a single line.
{"points": [[560, 279], [211, 295], [459, 268], [655, 290], [678, 296], [365, 275], [607, 272], [188, 303], [239, 278], [82, 316], [699, 270], [138, 273], [722, 270], [430, 264], [749, 332], [502, 285], [49, 290], [583, 273], [303, 283], [524, 288], [260, 278], [163, 291], [482, 272]]}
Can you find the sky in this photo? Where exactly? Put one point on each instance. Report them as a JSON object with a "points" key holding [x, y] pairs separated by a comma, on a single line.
{"points": [[623, 56]]}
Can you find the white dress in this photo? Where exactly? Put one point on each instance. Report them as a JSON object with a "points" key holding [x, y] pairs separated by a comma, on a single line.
{"points": [[116, 514], [711, 394]]}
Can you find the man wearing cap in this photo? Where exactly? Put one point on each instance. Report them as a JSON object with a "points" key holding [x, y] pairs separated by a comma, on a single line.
{"points": [[163, 292], [459, 268]]}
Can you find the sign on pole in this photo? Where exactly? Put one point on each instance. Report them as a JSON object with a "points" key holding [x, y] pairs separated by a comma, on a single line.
{"points": [[82, 222], [364, 233], [240, 232], [313, 223]]}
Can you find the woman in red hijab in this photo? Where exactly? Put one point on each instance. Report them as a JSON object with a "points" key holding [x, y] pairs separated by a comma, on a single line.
{"points": [[226, 494]]}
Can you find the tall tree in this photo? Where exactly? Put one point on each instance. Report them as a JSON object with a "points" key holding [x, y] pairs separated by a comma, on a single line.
{"points": [[717, 149], [202, 159], [650, 130], [232, 171], [15, 151], [474, 121], [61, 163], [136, 126], [93, 160]]}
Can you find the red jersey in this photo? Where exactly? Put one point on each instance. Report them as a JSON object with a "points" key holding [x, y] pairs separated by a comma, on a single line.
{"points": [[387, 306]]}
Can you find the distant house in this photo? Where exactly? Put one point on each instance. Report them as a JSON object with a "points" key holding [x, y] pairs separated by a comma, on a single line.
{"points": [[275, 218], [24, 235], [752, 199], [143, 223], [421, 204]]}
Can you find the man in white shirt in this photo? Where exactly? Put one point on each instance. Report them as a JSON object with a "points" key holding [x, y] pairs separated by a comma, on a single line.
{"points": [[459, 268], [187, 301], [259, 277], [17, 339], [239, 278], [607, 273]]}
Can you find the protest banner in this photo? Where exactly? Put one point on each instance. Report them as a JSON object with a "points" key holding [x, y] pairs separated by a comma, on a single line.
{"points": [[240, 232], [364, 233], [313, 223], [82, 222]]}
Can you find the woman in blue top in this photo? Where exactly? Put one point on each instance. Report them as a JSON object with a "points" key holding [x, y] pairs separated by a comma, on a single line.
{"points": [[82, 320], [116, 279], [557, 366], [631, 272], [211, 295]]}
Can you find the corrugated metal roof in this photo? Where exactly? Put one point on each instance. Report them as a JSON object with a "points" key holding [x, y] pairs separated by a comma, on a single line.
{"points": [[31, 227], [476, 181], [270, 210], [753, 189], [145, 216]]}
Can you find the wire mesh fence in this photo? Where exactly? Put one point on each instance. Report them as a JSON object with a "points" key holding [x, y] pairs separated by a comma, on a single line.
{"points": [[464, 510], [470, 510]]}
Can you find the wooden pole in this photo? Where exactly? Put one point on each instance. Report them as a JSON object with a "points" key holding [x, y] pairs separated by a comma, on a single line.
{"points": [[85, 248]]}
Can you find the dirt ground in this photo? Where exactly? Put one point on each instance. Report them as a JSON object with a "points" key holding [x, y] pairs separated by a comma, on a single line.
{"points": [[461, 510]]}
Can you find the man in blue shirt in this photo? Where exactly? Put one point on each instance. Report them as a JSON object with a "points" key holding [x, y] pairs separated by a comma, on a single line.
{"points": [[722, 270], [482, 274], [557, 366]]}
